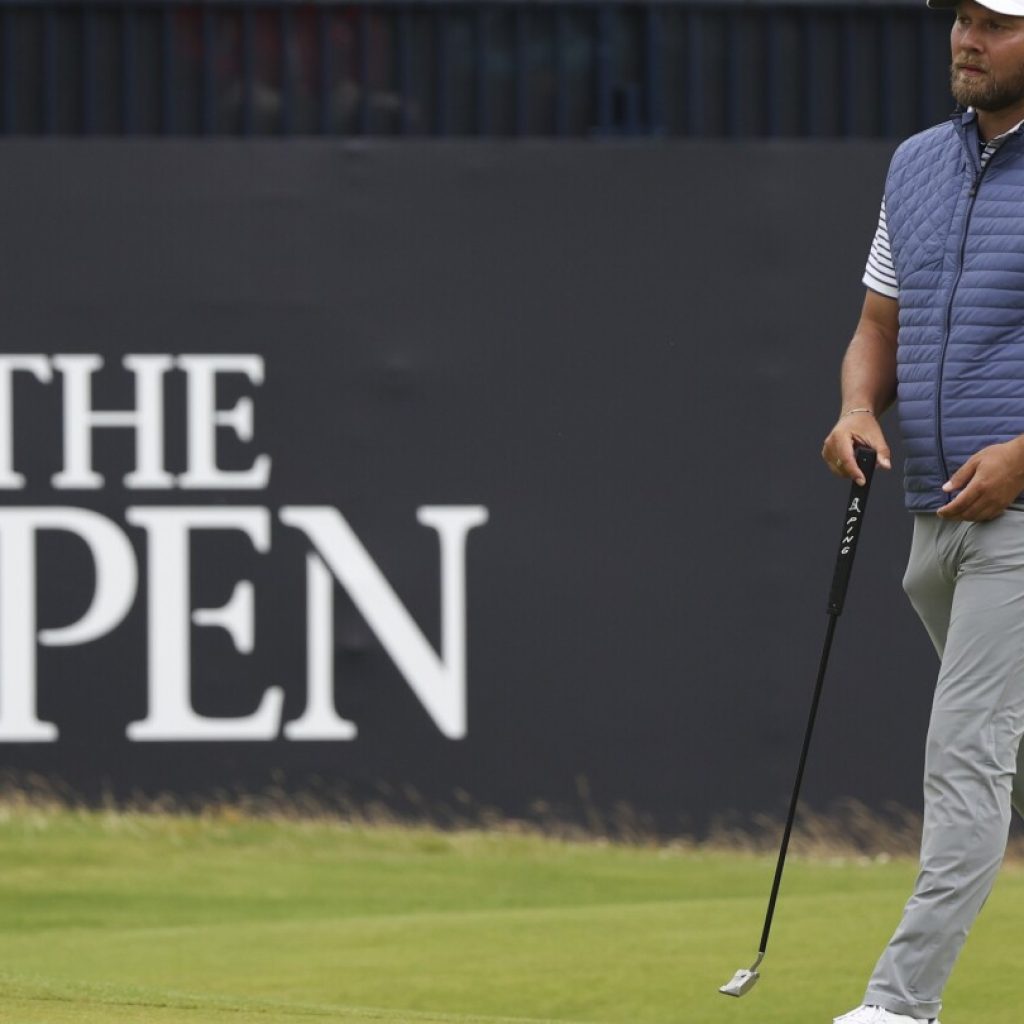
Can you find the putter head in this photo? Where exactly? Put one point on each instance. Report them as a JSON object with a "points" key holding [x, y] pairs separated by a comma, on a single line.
{"points": [[740, 983]]}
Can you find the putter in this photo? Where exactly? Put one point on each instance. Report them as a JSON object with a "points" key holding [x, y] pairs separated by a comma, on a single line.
{"points": [[745, 979]]}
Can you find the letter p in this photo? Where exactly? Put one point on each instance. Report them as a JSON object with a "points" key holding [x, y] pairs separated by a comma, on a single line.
{"points": [[116, 580]]}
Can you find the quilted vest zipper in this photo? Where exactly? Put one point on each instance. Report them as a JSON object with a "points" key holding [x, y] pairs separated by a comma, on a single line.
{"points": [[971, 196]]}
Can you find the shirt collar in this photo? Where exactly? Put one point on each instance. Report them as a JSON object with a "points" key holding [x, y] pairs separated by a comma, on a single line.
{"points": [[995, 140]]}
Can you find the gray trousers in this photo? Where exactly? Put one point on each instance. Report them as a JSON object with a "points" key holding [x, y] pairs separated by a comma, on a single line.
{"points": [[966, 582]]}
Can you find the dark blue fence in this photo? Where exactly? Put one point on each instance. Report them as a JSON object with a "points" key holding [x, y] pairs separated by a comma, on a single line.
{"points": [[486, 68]]}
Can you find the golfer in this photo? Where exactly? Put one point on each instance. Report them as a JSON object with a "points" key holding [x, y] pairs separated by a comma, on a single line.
{"points": [[942, 334]]}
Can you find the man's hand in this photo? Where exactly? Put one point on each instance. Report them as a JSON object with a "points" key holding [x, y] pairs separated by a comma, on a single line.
{"points": [[988, 481], [854, 428]]}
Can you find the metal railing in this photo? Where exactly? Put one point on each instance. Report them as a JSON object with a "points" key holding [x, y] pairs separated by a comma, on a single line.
{"points": [[564, 68]]}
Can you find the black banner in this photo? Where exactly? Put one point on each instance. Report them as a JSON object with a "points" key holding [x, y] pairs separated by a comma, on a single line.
{"points": [[471, 474]]}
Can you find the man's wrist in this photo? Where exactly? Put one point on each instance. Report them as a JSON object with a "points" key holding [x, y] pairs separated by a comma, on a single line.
{"points": [[857, 409]]}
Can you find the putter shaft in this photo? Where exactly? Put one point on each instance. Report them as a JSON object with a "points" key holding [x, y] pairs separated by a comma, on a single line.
{"points": [[744, 980]]}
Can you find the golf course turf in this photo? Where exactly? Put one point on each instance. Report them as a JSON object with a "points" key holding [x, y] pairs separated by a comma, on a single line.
{"points": [[112, 917]]}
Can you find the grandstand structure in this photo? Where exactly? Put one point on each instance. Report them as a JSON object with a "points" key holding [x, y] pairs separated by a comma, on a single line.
{"points": [[471, 68]]}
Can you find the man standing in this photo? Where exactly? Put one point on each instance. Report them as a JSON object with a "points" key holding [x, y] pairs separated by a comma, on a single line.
{"points": [[943, 325]]}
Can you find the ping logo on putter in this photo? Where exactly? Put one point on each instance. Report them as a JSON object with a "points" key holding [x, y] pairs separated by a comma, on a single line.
{"points": [[849, 535]]}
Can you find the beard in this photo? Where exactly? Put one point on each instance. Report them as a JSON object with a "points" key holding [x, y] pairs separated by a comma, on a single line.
{"points": [[988, 93]]}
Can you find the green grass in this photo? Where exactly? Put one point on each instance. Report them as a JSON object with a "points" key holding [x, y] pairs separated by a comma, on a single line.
{"points": [[183, 920]]}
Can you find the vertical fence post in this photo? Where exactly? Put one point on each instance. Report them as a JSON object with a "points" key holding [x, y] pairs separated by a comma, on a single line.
{"points": [[7, 71], [604, 69], [248, 69], [847, 72], [653, 49], [631, 109], [49, 70], [519, 58], [323, 30], [405, 69], [207, 103], [128, 71], [441, 70], [772, 100], [561, 73], [695, 72], [287, 84], [886, 76], [167, 70], [808, 87], [731, 76], [928, 111], [483, 113], [363, 69], [88, 69]]}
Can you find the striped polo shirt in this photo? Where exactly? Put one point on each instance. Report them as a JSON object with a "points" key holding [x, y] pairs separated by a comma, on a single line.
{"points": [[880, 274]]}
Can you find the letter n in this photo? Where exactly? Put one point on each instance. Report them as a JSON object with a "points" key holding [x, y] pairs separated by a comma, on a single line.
{"points": [[439, 682]]}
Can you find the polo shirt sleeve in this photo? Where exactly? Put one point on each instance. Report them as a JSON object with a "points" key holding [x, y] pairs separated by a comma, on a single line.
{"points": [[880, 274]]}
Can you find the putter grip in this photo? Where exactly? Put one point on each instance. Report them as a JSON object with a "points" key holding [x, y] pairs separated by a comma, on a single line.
{"points": [[852, 520]]}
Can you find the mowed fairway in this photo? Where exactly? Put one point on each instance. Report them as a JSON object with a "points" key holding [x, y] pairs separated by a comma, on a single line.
{"points": [[182, 920]]}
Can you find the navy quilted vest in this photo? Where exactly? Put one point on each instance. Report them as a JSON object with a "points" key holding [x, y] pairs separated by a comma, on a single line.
{"points": [[957, 239]]}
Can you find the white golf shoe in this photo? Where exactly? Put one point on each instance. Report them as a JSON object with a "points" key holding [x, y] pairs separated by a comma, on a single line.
{"points": [[878, 1015]]}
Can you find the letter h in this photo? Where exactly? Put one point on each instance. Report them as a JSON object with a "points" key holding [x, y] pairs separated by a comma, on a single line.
{"points": [[146, 419]]}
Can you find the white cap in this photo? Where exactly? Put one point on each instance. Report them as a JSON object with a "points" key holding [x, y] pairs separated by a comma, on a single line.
{"points": [[1011, 7]]}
